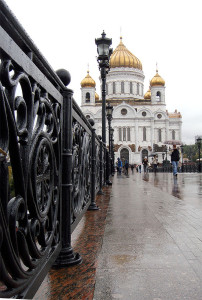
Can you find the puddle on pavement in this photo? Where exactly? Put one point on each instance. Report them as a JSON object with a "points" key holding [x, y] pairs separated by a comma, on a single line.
{"points": [[122, 259]]}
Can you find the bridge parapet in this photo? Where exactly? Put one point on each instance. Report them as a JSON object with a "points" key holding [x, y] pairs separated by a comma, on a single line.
{"points": [[47, 160]]}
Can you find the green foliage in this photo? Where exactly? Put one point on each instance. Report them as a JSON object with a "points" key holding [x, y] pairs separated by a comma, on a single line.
{"points": [[191, 152]]}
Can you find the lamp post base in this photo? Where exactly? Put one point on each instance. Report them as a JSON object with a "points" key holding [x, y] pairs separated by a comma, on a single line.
{"points": [[109, 182], [93, 206], [67, 258], [100, 192]]}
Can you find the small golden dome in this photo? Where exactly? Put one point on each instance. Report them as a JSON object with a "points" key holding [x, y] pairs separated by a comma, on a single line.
{"points": [[88, 81], [147, 96], [122, 57], [96, 96], [157, 80]]}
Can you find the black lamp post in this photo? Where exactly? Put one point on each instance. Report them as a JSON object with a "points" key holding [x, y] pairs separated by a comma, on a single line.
{"points": [[198, 141], [109, 111], [111, 150], [182, 151], [104, 51]]}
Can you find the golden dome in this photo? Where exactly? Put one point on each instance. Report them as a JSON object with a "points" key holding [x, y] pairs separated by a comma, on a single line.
{"points": [[147, 96], [88, 81], [96, 96], [122, 57], [157, 80]]}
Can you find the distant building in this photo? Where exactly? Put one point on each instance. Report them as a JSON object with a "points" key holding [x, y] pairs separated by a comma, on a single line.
{"points": [[141, 122]]}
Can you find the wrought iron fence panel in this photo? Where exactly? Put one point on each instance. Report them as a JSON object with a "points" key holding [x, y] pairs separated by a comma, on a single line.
{"points": [[81, 169], [30, 134], [30, 162]]}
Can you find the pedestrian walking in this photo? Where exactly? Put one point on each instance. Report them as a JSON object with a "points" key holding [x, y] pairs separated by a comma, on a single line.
{"points": [[155, 163], [175, 157], [132, 168], [126, 167], [145, 164], [119, 165], [140, 168]]}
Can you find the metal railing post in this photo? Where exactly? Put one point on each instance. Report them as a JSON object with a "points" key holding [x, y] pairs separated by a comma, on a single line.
{"points": [[67, 257]]}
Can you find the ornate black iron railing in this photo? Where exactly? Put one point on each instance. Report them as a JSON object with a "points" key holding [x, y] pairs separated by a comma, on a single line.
{"points": [[51, 164]]}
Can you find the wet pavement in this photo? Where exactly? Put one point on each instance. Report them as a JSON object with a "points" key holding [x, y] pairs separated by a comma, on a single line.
{"points": [[144, 243]]}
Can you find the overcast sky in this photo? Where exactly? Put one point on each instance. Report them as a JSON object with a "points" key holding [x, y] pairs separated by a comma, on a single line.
{"points": [[167, 32]]}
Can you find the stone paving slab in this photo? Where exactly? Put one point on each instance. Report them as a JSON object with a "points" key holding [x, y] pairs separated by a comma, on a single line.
{"points": [[152, 245]]}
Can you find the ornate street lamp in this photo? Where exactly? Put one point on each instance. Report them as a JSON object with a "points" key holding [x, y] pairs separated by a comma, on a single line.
{"points": [[109, 111], [104, 52], [198, 141]]}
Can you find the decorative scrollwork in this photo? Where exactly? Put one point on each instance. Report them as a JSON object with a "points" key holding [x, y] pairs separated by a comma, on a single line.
{"points": [[81, 170], [30, 134]]}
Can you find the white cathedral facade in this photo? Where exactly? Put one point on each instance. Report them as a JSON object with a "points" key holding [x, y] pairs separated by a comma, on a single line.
{"points": [[140, 121]]}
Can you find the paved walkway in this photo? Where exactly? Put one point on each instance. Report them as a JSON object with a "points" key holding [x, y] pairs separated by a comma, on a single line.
{"points": [[152, 246], [144, 243]]}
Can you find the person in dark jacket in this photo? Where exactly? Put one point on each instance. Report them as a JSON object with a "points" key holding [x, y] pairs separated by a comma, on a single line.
{"points": [[175, 157], [126, 167]]}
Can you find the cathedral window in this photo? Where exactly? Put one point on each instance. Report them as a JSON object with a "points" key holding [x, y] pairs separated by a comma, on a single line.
{"points": [[87, 117], [87, 97], [173, 134], [159, 135], [124, 111], [144, 113], [128, 134], [122, 87], [114, 88], [144, 134], [131, 88], [120, 137], [124, 134], [158, 96], [138, 88]]}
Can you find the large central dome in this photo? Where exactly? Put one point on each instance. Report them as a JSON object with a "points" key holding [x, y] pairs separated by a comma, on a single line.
{"points": [[122, 57]]}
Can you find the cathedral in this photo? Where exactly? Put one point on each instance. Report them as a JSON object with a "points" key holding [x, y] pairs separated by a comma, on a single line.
{"points": [[140, 121]]}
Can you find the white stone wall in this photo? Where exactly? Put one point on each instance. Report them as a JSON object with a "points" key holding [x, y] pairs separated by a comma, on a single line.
{"points": [[134, 118]]}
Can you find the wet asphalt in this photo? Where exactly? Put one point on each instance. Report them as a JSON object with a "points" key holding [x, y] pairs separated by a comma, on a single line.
{"points": [[152, 243]]}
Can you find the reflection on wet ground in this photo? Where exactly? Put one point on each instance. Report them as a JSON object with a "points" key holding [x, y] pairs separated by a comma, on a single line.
{"points": [[151, 247], [186, 186]]}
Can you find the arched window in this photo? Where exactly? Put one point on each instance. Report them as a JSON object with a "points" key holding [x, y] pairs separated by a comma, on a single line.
{"points": [[120, 138], [124, 134], [128, 134], [87, 97], [114, 88], [158, 96], [122, 87], [144, 134], [87, 117], [159, 135], [131, 87], [173, 134], [138, 88]]}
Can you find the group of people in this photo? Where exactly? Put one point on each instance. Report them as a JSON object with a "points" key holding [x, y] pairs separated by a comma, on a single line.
{"points": [[175, 157]]}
